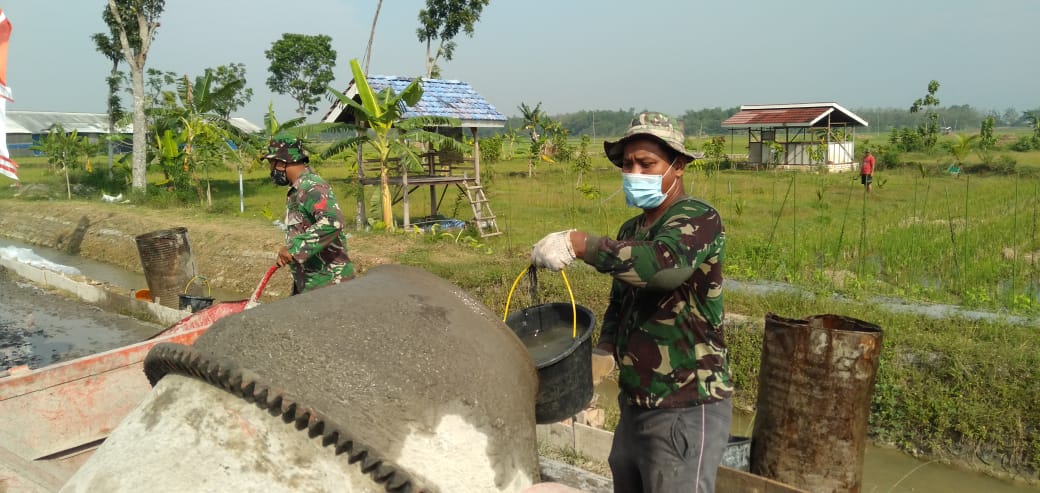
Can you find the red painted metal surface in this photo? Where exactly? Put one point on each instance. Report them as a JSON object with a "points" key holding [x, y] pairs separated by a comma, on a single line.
{"points": [[210, 314], [53, 417], [777, 116]]}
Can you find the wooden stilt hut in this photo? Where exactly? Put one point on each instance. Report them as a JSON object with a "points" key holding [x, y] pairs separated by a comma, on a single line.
{"points": [[442, 171]]}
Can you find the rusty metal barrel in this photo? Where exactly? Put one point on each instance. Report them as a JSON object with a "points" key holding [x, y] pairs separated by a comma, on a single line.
{"points": [[168, 263], [815, 385]]}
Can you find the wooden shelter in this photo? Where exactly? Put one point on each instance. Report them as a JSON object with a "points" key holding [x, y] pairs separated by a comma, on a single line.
{"points": [[442, 171], [799, 136]]}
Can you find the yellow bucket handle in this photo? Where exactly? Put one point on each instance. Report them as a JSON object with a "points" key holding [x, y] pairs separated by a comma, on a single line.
{"points": [[209, 290], [574, 307]]}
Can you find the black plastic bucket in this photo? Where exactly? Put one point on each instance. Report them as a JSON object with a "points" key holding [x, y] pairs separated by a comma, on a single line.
{"points": [[194, 303], [564, 377]]}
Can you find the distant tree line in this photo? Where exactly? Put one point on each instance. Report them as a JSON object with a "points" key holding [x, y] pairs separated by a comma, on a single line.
{"points": [[708, 121]]}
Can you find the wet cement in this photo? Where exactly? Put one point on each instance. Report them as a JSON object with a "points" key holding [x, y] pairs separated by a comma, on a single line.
{"points": [[39, 328]]}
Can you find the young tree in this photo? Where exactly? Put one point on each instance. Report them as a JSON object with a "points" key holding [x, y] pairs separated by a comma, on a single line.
{"points": [[583, 161], [390, 133], [136, 21], [108, 45], [961, 146], [301, 67], [533, 121], [930, 130], [64, 151], [440, 22], [987, 141]]}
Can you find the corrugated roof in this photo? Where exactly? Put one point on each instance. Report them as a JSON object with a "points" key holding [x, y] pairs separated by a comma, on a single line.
{"points": [[446, 98], [791, 115], [244, 125], [40, 122]]}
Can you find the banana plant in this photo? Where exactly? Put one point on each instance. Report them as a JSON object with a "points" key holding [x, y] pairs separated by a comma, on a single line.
{"points": [[384, 128]]}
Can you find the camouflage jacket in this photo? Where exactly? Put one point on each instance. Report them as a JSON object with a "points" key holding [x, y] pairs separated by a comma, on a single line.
{"points": [[314, 234], [665, 313]]}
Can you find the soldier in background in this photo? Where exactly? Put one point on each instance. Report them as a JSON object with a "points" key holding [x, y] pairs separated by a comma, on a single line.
{"points": [[315, 243], [663, 324]]}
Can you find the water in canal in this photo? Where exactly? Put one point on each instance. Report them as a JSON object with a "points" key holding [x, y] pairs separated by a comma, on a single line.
{"points": [[884, 470]]}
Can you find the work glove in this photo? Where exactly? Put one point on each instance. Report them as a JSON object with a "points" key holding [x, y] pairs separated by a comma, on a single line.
{"points": [[554, 252]]}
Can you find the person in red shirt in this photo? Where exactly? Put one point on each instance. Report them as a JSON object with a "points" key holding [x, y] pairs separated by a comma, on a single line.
{"points": [[866, 171]]}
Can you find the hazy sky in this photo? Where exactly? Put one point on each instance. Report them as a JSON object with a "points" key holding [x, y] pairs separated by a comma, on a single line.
{"points": [[666, 55]]}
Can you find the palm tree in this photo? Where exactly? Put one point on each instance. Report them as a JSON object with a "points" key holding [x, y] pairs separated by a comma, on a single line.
{"points": [[388, 132], [961, 146], [532, 121]]}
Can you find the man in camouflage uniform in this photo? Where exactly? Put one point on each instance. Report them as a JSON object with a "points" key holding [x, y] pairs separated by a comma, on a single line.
{"points": [[315, 243], [663, 324]]}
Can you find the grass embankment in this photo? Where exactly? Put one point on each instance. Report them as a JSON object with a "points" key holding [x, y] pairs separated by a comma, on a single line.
{"points": [[949, 388]]}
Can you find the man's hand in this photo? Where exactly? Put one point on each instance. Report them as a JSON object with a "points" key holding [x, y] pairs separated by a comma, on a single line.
{"points": [[554, 252], [283, 257]]}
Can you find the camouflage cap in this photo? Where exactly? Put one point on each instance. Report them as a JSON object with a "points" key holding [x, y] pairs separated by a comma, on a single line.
{"points": [[285, 147], [666, 129]]}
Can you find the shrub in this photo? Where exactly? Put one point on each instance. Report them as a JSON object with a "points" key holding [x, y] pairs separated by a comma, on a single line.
{"points": [[491, 149], [1023, 144]]}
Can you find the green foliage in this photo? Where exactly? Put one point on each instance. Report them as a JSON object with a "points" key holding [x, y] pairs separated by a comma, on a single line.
{"points": [[986, 139], [906, 139], [442, 21], [542, 130], [590, 192], [491, 149], [301, 67], [230, 76], [715, 153], [583, 162], [1025, 143], [929, 130], [961, 146], [705, 121], [776, 152], [65, 151], [388, 133]]}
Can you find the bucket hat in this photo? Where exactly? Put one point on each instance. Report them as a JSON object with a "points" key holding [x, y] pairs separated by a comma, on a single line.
{"points": [[663, 127]]}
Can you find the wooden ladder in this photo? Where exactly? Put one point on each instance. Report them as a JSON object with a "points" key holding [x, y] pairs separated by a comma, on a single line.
{"points": [[482, 214]]}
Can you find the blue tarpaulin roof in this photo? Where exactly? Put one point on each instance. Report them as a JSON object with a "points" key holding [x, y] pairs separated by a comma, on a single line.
{"points": [[447, 98]]}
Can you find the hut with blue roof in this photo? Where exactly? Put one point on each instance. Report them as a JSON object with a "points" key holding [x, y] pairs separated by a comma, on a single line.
{"points": [[441, 170]]}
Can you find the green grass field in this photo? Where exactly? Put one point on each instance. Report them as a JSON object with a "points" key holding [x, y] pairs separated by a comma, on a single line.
{"points": [[946, 387], [922, 235]]}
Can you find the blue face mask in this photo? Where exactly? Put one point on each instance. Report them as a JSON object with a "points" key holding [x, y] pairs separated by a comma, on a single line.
{"points": [[644, 191]]}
